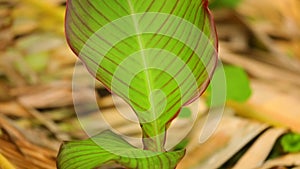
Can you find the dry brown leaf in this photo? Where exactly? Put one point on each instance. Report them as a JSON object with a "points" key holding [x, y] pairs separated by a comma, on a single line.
{"points": [[14, 109], [22, 153], [287, 160], [232, 134], [272, 106], [259, 151]]}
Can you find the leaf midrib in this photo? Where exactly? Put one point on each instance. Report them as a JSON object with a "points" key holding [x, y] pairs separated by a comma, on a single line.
{"points": [[136, 26]]}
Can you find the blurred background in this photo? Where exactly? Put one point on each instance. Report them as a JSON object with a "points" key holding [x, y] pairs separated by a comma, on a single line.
{"points": [[259, 37]]}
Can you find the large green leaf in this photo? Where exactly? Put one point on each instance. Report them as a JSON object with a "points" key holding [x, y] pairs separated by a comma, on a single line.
{"points": [[158, 55], [109, 147]]}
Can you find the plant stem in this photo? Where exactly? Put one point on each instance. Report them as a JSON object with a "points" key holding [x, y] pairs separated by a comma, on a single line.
{"points": [[153, 140]]}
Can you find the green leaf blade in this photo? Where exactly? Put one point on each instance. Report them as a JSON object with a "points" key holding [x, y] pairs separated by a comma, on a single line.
{"points": [[238, 87], [291, 142], [157, 55], [96, 151]]}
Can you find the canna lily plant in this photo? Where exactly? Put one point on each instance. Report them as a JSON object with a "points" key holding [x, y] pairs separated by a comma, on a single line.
{"points": [[157, 55]]}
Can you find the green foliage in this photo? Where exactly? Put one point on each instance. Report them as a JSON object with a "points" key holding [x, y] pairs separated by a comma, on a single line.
{"points": [[156, 55], [109, 147], [291, 142], [185, 113], [181, 145], [156, 67], [237, 85]]}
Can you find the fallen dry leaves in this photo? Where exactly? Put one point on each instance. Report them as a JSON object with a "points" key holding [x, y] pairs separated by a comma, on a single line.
{"points": [[36, 98]]}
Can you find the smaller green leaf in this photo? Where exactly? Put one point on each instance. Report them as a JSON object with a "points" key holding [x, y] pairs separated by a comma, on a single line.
{"points": [[181, 145], [109, 147], [291, 142], [185, 113], [237, 84]]}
